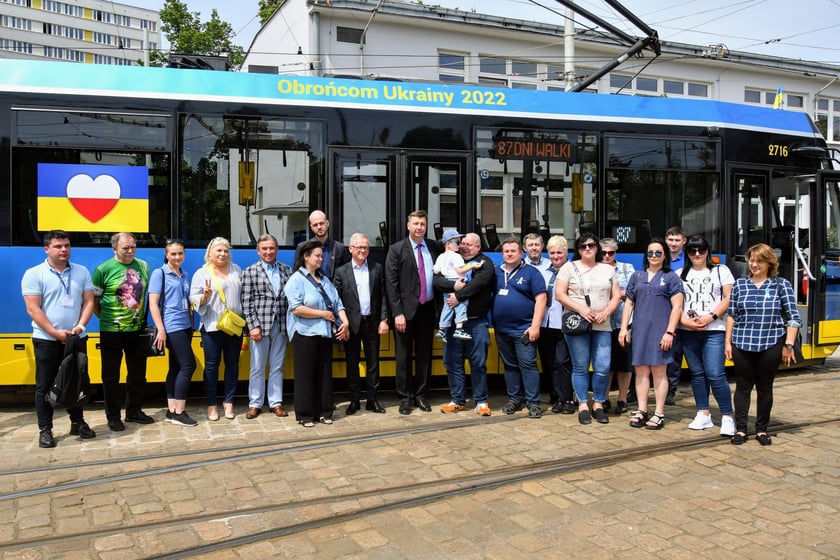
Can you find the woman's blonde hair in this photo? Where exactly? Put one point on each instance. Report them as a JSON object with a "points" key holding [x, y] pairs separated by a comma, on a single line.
{"points": [[764, 253], [213, 242]]}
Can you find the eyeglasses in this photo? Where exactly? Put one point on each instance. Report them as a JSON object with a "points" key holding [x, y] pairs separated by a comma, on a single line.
{"points": [[654, 253], [587, 245], [697, 251], [360, 247], [608, 253]]}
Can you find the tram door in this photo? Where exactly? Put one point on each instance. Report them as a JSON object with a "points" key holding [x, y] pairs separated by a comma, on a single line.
{"points": [[438, 187], [826, 258], [375, 190], [775, 208]]}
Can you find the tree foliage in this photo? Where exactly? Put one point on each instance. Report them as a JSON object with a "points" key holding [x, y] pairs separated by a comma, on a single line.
{"points": [[188, 35], [267, 9]]}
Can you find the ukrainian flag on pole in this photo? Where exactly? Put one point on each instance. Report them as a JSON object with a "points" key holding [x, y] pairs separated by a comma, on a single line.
{"points": [[779, 102]]}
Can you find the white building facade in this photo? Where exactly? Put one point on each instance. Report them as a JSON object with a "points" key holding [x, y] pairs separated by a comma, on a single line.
{"points": [[87, 31], [403, 40]]}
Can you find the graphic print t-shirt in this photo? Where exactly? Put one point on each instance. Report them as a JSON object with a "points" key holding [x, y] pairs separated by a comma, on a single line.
{"points": [[122, 292]]}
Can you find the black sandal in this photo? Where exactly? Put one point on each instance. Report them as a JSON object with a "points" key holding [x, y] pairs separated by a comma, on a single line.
{"points": [[739, 438], [638, 418], [656, 422], [764, 439]]}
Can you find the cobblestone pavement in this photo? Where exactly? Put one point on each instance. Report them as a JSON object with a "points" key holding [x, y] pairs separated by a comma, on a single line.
{"points": [[429, 485]]}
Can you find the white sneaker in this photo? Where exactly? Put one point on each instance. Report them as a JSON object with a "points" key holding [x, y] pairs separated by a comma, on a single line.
{"points": [[727, 426], [701, 422]]}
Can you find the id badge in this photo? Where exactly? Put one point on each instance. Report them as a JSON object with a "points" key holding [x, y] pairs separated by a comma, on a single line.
{"points": [[503, 292], [67, 302], [185, 304]]}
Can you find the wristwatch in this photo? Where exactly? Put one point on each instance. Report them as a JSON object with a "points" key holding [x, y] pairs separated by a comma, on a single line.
{"points": [[789, 346], [715, 316]]}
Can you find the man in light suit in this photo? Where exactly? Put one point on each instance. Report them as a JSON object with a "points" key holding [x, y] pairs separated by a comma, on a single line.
{"points": [[361, 286], [409, 271], [264, 307], [335, 253]]}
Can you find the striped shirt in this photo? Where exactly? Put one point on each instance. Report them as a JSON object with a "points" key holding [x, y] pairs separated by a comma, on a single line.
{"points": [[762, 313]]}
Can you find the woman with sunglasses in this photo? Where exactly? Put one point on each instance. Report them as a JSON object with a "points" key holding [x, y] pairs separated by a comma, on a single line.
{"points": [[587, 278], [620, 360], [654, 300], [707, 288]]}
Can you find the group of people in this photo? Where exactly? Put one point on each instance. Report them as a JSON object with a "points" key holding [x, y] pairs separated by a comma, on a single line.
{"points": [[633, 321]]}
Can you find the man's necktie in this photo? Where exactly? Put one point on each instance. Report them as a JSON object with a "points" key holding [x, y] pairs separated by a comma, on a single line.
{"points": [[421, 267]]}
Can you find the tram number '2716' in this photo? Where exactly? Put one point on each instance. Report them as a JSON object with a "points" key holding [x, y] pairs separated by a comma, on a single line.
{"points": [[483, 98], [777, 150]]}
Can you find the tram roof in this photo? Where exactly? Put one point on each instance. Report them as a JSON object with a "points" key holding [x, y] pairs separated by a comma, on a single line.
{"points": [[67, 78]]}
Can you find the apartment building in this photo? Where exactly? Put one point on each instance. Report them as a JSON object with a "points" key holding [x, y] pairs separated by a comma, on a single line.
{"points": [[87, 31]]}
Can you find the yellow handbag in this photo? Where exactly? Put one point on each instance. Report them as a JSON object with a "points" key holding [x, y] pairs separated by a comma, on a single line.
{"points": [[229, 322]]}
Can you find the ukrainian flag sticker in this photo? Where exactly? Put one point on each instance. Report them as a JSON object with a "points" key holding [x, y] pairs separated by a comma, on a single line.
{"points": [[78, 197]]}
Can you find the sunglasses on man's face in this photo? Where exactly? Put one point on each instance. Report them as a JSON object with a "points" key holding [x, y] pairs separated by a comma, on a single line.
{"points": [[608, 253]]}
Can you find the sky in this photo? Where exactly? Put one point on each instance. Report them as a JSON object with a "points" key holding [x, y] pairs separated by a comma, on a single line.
{"points": [[803, 29]]}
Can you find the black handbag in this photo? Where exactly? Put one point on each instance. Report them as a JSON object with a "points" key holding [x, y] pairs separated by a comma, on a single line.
{"points": [[149, 334], [573, 322], [147, 342]]}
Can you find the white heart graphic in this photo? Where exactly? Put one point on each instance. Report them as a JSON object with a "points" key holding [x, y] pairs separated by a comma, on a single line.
{"points": [[83, 186], [93, 198]]}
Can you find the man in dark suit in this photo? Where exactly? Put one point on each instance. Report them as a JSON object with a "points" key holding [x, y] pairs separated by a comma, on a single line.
{"points": [[478, 292], [264, 307], [335, 253], [409, 271], [361, 286]]}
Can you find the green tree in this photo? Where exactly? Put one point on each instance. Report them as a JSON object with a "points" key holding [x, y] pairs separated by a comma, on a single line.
{"points": [[267, 9], [188, 35]]}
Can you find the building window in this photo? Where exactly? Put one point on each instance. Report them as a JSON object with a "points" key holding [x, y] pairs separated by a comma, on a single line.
{"points": [[646, 84], [673, 88], [752, 96], [795, 101], [349, 35], [16, 23], [451, 67], [698, 90], [508, 73]]}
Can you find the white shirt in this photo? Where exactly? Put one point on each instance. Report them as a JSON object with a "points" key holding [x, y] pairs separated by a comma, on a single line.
{"points": [[362, 275]]}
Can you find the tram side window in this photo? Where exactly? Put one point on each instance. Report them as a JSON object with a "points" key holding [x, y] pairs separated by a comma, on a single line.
{"points": [[653, 184], [245, 177], [91, 174], [543, 165]]}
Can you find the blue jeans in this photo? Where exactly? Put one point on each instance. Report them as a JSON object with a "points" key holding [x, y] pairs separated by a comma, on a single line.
{"points": [[595, 347], [520, 361], [704, 354], [456, 351], [447, 313], [215, 343], [271, 350]]}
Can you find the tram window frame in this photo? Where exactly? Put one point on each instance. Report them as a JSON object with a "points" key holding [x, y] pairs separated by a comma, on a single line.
{"points": [[207, 175]]}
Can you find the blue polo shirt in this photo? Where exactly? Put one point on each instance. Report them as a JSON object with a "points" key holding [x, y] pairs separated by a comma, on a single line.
{"points": [[61, 294], [513, 310]]}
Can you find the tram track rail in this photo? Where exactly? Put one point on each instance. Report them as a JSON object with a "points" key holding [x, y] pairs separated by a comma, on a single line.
{"points": [[391, 497]]}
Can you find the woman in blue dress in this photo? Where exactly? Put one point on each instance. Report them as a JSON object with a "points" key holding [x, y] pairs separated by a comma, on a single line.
{"points": [[654, 301]]}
